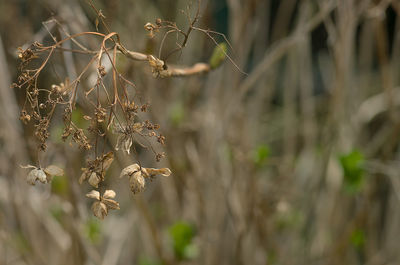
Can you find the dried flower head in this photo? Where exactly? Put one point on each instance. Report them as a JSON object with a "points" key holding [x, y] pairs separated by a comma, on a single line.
{"points": [[125, 138], [137, 175], [157, 66], [104, 203], [24, 117], [96, 169], [151, 28], [43, 175]]}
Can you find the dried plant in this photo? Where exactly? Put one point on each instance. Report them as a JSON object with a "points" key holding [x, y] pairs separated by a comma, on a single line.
{"points": [[112, 105]]}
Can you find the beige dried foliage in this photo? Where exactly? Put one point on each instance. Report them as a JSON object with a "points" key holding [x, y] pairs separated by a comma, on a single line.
{"points": [[137, 176], [96, 169], [157, 66], [36, 174], [42, 175], [94, 194], [94, 179], [99, 210], [103, 203], [151, 172], [52, 171]]}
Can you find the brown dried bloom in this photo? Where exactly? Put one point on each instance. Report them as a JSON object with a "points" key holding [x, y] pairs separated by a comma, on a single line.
{"points": [[62, 88], [104, 203], [125, 138], [26, 55], [43, 175], [138, 174], [151, 28], [96, 169], [157, 66], [24, 117]]}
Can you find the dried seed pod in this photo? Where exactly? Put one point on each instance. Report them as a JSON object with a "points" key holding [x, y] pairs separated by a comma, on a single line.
{"points": [[137, 182], [103, 204], [129, 170], [36, 174], [99, 210], [137, 175], [151, 172], [109, 194], [94, 179], [42, 175], [52, 171], [94, 194]]}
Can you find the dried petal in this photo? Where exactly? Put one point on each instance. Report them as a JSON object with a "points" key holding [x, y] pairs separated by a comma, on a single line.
{"points": [[129, 170], [107, 160], [124, 143], [33, 176], [52, 171], [94, 194], [85, 175], [94, 179], [111, 204], [151, 172], [109, 194], [99, 210], [138, 127], [36, 174], [137, 182]]}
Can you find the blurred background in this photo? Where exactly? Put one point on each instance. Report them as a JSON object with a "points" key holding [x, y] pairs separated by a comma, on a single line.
{"points": [[295, 162]]}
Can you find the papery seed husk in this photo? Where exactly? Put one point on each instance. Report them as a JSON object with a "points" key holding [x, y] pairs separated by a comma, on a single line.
{"points": [[84, 176], [39, 175], [94, 179], [52, 171], [113, 205], [33, 176], [109, 194], [137, 182], [107, 160], [99, 210], [94, 194], [129, 170], [151, 172]]}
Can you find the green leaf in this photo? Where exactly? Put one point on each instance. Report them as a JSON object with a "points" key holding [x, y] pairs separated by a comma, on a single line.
{"points": [[218, 55], [261, 154], [59, 185], [57, 212], [77, 118], [93, 230], [177, 114], [148, 261], [21, 243], [353, 171], [357, 238], [182, 234]]}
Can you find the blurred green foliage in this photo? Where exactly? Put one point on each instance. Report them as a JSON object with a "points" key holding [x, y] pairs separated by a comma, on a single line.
{"points": [[182, 234], [57, 212], [218, 55], [353, 171], [289, 220], [357, 238], [260, 154], [177, 113], [59, 185], [92, 230], [148, 261], [77, 118], [20, 242]]}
